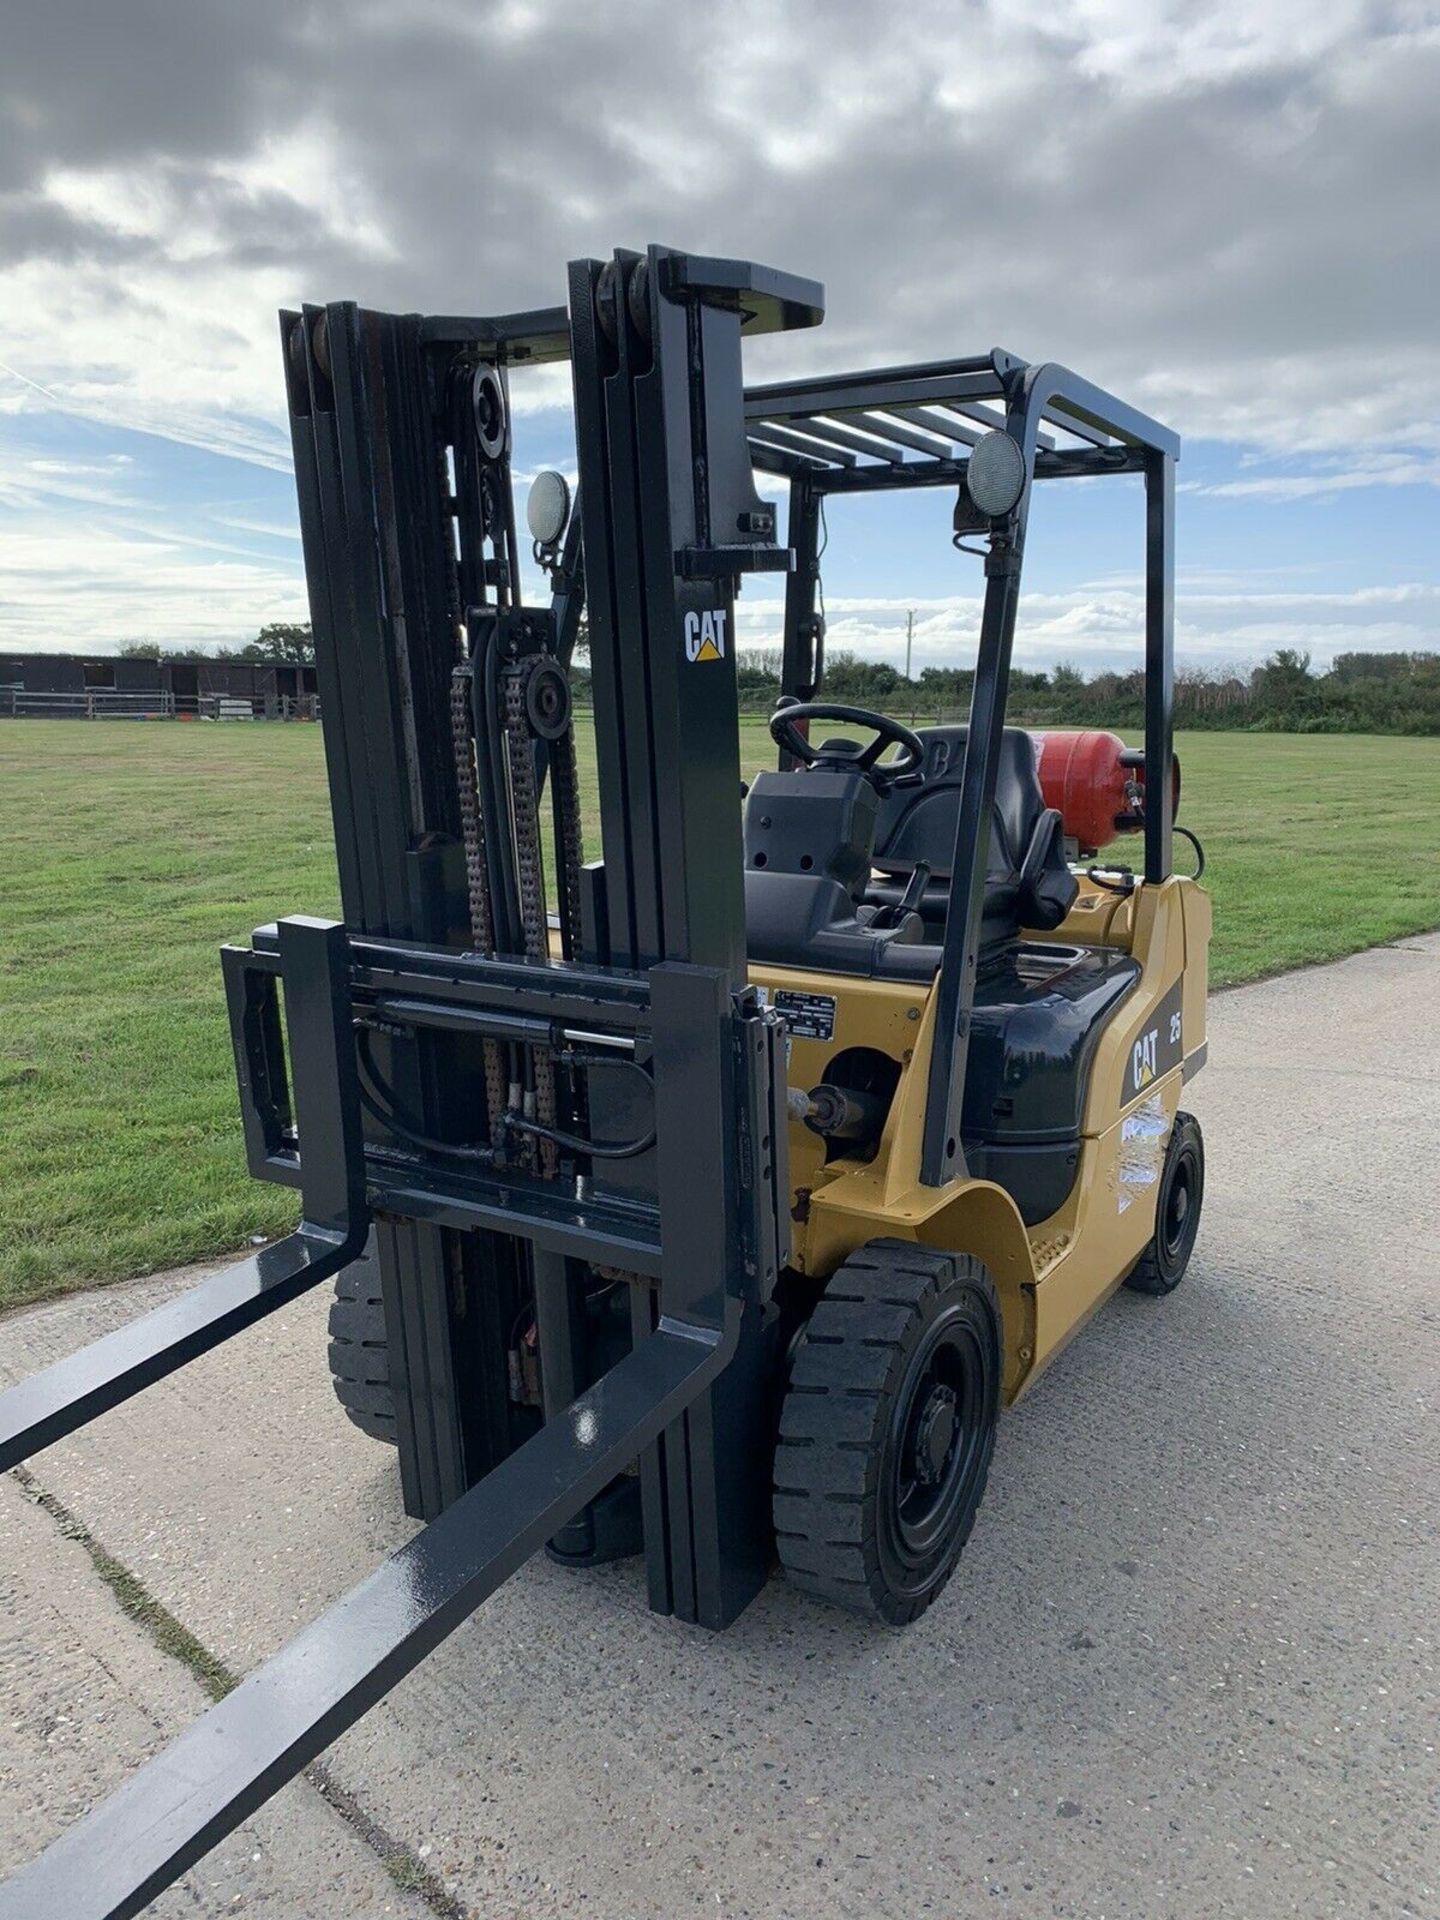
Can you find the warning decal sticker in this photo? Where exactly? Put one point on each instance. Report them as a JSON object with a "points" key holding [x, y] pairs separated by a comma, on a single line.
{"points": [[1144, 1135], [809, 1016]]}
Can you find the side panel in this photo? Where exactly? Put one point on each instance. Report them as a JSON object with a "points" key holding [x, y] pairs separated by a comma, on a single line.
{"points": [[1199, 918], [1085, 1251], [842, 1204], [1099, 1235], [1055, 1275], [843, 1013], [1146, 1018]]}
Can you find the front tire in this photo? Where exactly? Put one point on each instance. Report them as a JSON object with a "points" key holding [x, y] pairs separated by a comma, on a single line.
{"points": [[887, 1429], [1178, 1200], [359, 1350]]}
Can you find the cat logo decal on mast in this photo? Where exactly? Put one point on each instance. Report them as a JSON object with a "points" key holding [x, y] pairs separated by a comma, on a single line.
{"points": [[705, 635]]}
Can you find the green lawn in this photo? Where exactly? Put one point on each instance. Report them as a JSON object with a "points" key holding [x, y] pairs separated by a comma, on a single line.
{"points": [[128, 853]]}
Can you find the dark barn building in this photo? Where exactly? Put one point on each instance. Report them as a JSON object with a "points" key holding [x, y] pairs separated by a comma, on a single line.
{"points": [[110, 686]]}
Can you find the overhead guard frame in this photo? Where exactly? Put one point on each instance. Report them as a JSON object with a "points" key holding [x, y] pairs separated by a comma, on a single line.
{"points": [[914, 427]]}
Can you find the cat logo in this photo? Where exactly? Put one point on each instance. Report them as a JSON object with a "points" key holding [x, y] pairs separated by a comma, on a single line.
{"points": [[1159, 1048], [705, 635], [1143, 1059]]}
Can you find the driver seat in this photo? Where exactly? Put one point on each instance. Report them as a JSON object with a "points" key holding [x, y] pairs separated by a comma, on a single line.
{"points": [[1028, 882]]}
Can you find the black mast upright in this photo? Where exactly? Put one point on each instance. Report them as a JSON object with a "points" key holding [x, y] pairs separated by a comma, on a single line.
{"points": [[671, 520], [369, 405]]}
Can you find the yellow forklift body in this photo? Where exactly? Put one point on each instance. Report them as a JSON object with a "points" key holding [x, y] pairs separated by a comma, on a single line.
{"points": [[1050, 1277]]}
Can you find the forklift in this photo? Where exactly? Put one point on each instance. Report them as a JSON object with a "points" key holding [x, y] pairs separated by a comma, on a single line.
{"points": [[705, 1200]]}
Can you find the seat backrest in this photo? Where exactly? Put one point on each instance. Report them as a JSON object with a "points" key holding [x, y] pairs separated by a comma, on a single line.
{"points": [[917, 823], [917, 817]]}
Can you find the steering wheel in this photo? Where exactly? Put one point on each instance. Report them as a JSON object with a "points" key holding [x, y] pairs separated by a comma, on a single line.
{"points": [[843, 755]]}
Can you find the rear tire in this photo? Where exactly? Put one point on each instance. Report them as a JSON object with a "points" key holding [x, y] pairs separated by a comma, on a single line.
{"points": [[887, 1429], [1181, 1194], [359, 1351]]}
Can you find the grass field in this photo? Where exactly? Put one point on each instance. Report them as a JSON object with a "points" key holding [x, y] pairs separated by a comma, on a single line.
{"points": [[128, 853]]}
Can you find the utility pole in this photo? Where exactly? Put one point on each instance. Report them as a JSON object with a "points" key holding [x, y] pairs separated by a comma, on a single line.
{"points": [[909, 636]]}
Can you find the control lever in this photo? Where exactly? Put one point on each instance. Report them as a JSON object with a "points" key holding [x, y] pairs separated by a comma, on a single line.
{"points": [[909, 901]]}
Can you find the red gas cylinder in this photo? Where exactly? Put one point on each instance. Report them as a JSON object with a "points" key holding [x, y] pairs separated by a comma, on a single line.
{"points": [[1096, 784]]}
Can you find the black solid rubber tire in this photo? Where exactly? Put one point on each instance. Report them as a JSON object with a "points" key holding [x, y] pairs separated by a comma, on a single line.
{"points": [[1161, 1267], [837, 1459], [359, 1352]]}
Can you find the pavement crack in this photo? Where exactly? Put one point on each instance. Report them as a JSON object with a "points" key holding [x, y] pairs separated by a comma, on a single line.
{"points": [[135, 1600], [400, 1860]]}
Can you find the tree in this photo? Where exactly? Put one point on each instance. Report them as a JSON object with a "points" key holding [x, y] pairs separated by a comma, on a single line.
{"points": [[141, 650], [757, 670], [284, 642], [855, 679], [1284, 683], [1379, 666], [947, 683]]}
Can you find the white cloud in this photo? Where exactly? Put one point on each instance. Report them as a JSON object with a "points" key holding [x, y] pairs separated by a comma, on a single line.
{"points": [[1224, 210], [1327, 479], [107, 466], [35, 482], [96, 583], [270, 529], [1102, 627]]}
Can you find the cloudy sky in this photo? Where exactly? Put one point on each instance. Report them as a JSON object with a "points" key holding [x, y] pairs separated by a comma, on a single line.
{"points": [[1229, 212]]}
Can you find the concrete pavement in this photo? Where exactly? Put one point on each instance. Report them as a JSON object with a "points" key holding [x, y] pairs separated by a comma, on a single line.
{"points": [[1188, 1667]]}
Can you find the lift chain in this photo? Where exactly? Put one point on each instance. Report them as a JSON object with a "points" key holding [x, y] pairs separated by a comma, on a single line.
{"points": [[472, 827], [569, 853], [530, 869], [569, 848]]}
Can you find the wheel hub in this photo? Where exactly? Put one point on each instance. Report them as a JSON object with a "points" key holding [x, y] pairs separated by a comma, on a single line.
{"points": [[934, 1435], [1177, 1213]]}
